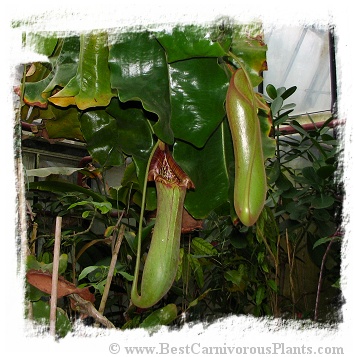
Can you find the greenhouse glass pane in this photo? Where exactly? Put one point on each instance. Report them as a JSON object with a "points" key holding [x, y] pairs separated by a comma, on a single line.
{"points": [[299, 56]]}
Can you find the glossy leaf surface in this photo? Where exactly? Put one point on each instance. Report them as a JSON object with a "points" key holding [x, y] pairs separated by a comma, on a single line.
{"points": [[198, 91], [33, 92], [101, 133], [209, 169], [90, 87], [184, 42], [66, 65], [139, 72], [134, 132]]}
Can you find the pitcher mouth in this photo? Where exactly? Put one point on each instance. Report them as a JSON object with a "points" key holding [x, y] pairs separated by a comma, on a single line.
{"points": [[163, 168]]}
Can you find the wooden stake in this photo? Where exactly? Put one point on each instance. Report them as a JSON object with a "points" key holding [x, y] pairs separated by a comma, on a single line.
{"points": [[54, 291], [112, 268]]}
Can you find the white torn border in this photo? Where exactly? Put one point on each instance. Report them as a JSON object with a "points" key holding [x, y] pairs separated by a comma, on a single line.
{"points": [[234, 331]]}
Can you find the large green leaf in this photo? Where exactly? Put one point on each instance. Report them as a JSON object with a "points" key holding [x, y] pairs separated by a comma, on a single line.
{"points": [[249, 47], [91, 85], [209, 169], [33, 92], [184, 42], [198, 92], [117, 130], [66, 64], [101, 133], [40, 85], [64, 188], [139, 72], [65, 123], [59, 122], [192, 91], [36, 112], [134, 132]]}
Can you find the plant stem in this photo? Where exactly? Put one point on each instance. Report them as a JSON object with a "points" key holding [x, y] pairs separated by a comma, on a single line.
{"points": [[73, 263], [91, 243], [320, 280], [277, 279], [86, 307], [54, 291], [33, 238], [86, 230], [267, 246], [112, 266], [187, 274], [290, 262]]}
